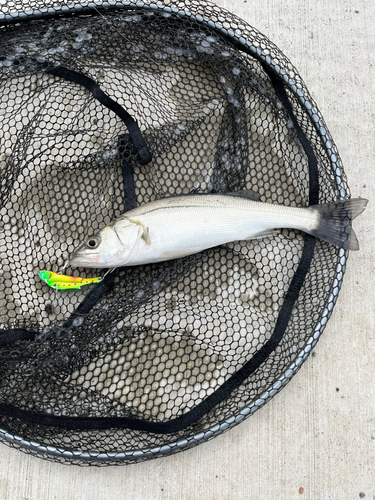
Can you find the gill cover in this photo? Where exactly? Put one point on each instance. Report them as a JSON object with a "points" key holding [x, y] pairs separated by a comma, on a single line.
{"points": [[129, 232]]}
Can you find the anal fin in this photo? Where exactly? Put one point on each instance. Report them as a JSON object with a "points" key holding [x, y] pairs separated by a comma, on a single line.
{"points": [[263, 234], [177, 254]]}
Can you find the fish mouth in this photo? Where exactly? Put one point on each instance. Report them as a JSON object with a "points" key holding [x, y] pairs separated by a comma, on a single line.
{"points": [[77, 260]]}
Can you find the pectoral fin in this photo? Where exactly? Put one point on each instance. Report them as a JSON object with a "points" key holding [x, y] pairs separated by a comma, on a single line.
{"points": [[146, 235]]}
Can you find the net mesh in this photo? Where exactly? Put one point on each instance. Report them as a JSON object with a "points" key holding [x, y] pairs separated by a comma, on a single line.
{"points": [[156, 358]]}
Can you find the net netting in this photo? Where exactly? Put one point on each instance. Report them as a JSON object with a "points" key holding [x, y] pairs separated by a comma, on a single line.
{"points": [[109, 105]]}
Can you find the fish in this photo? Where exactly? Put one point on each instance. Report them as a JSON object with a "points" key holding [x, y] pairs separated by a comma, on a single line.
{"points": [[178, 226], [64, 282]]}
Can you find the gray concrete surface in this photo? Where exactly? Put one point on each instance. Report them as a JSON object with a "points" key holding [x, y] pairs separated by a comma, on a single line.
{"points": [[316, 439]]}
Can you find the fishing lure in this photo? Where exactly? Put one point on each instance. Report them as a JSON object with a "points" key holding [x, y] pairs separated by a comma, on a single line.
{"points": [[63, 282]]}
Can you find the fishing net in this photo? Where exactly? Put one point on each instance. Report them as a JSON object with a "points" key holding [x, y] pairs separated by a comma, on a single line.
{"points": [[106, 106]]}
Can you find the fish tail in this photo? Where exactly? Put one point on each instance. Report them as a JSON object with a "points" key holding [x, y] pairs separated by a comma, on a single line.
{"points": [[334, 222]]}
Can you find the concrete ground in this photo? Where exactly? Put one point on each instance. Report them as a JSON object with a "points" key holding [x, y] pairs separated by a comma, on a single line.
{"points": [[316, 439]]}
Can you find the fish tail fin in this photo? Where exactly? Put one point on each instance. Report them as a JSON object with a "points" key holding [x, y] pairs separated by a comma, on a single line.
{"points": [[334, 222]]}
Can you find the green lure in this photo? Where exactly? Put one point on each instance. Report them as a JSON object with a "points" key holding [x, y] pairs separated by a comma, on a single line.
{"points": [[63, 282]]}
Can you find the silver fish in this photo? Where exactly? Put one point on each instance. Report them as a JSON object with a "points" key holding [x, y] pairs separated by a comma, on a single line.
{"points": [[178, 226]]}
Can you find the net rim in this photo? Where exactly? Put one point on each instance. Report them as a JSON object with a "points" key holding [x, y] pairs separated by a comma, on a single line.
{"points": [[280, 382]]}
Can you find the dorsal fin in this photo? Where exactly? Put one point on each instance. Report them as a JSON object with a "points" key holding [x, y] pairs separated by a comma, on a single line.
{"points": [[246, 193]]}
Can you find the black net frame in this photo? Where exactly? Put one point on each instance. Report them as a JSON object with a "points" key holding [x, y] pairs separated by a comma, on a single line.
{"points": [[108, 105]]}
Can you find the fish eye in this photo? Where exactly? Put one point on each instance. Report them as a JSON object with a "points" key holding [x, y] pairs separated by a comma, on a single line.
{"points": [[92, 242]]}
